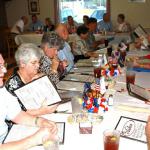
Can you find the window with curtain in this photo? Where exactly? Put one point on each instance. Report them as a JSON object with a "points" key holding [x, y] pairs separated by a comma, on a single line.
{"points": [[78, 8]]}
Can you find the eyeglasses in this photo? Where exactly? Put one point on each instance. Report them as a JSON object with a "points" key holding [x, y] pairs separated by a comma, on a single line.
{"points": [[3, 66]]}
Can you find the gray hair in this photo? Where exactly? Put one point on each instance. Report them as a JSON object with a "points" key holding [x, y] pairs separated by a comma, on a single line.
{"points": [[53, 40], [27, 51]]}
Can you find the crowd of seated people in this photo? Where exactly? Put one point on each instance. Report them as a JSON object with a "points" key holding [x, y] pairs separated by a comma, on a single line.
{"points": [[105, 24], [55, 58]]}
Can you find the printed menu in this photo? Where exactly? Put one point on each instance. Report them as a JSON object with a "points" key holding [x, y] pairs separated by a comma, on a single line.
{"points": [[131, 128]]}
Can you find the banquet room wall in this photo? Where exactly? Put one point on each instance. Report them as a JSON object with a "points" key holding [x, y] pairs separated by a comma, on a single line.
{"points": [[135, 12]]}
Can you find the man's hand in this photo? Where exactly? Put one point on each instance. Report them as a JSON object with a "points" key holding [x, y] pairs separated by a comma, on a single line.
{"points": [[41, 122]]}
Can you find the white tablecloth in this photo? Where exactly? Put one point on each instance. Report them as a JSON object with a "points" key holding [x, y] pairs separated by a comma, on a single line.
{"points": [[29, 38], [115, 37], [76, 141], [36, 38]]}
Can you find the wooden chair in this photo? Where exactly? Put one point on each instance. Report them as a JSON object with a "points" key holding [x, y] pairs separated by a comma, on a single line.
{"points": [[10, 42]]}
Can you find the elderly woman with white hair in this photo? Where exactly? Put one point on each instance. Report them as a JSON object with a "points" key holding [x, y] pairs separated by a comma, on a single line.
{"points": [[27, 57]]}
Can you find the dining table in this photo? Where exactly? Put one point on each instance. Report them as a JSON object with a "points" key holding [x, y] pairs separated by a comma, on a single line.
{"points": [[124, 106], [36, 38], [29, 38]]}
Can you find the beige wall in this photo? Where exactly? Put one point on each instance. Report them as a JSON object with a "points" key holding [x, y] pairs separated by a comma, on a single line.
{"points": [[17, 8], [136, 13]]}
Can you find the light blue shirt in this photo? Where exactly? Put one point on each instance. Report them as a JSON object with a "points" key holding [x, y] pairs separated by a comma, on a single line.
{"points": [[36, 26], [66, 54], [107, 26]]}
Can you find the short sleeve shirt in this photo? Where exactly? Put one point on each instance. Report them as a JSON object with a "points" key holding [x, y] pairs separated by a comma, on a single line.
{"points": [[66, 54], [19, 24], [13, 83], [9, 109], [79, 46], [90, 41]]}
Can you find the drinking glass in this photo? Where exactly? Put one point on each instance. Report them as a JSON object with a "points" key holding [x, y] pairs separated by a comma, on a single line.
{"points": [[111, 139], [50, 145], [130, 79]]}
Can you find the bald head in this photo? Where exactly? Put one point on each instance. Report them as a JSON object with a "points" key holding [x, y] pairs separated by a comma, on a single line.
{"points": [[25, 19], [62, 31]]}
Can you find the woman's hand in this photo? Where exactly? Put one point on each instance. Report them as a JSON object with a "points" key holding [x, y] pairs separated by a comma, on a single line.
{"points": [[55, 64], [49, 109]]}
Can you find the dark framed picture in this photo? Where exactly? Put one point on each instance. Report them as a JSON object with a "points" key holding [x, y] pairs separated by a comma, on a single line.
{"points": [[33, 6], [138, 1]]}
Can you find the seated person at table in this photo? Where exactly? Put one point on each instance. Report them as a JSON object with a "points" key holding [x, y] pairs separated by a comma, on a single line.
{"points": [[27, 57], [85, 20], [71, 25], [105, 24], [139, 42], [18, 27], [36, 24], [122, 26], [80, 49], [48, 25], [90, 41], [65, 54], [49, 63], [10, 110]]}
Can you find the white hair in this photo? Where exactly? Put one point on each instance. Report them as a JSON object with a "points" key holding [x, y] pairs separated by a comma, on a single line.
{"points": [[26, 52]]}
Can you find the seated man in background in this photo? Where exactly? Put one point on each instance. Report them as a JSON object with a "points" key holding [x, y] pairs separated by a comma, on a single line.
{"points": [[80, 49], [123, 26], [92, 44], [36, 24], [71, 25], [27, 57], [105, 24], [10, 110], [49, 63], [65, 54], [18, 27]]}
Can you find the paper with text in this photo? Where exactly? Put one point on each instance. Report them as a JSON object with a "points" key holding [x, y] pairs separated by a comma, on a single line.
{"points": [[38, 93]]}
